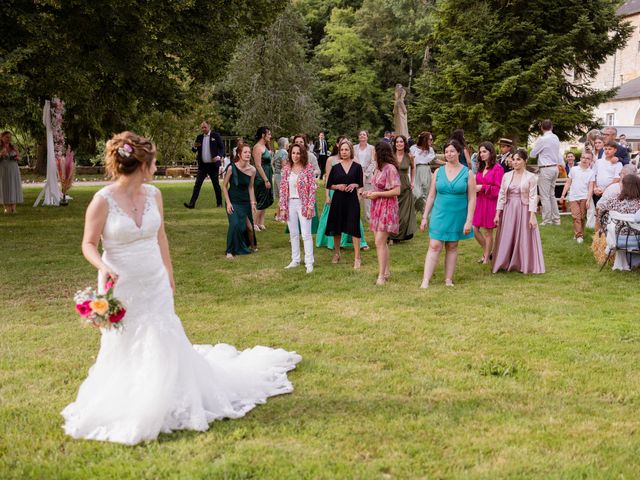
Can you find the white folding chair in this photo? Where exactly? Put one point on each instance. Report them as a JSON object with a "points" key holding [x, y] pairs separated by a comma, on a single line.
{"points": [[623, 251]]}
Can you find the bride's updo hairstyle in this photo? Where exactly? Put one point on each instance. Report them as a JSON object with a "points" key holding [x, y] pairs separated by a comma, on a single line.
{"points": [[126, 152]]}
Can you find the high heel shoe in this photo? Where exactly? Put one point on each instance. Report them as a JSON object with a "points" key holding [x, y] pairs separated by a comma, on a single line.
{"points": [[356, 264]]}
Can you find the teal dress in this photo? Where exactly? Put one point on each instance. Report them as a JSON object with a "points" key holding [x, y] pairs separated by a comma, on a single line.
{"points": [[323, 240], [449, 212], [238, 240], [264, 195]]}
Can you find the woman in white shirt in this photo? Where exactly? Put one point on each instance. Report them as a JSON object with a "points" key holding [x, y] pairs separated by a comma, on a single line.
{"points": [[366, 157], [424, 156]]}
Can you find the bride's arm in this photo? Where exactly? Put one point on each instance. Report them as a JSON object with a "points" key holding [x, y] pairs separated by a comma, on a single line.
{"points": [[164, 243], [94, 221]]}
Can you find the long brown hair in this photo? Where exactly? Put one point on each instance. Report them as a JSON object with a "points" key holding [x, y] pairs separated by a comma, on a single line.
{"points": [[630, 188], [492, 156], [384, 154], [423, 140], [304, 158]]}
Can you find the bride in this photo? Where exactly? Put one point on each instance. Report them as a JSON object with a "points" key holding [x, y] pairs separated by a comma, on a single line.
{"points": [[148, 378]]}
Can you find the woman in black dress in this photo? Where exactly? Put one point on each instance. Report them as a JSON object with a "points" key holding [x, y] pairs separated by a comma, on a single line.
{"points": [[345, 178]]}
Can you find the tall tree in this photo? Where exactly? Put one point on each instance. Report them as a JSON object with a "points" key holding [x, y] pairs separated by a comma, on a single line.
{"points": [[501, 65], [317, 13], [350, 87], [272, 82], [397, 31], [113, 59]]}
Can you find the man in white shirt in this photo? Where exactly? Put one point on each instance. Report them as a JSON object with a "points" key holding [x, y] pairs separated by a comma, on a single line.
{"points": [[209, 150], [322, 148], [547, 150]]}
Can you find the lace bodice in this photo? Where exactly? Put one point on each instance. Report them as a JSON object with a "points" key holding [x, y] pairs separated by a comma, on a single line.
{"points": [[120, 229]]}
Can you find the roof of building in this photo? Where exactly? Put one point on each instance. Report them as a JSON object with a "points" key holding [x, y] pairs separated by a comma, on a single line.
{"points": [[629, 8], [629, 89], [632, 132]]}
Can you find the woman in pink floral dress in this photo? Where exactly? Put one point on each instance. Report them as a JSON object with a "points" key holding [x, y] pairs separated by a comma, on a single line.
{"points": [[385, 214]]}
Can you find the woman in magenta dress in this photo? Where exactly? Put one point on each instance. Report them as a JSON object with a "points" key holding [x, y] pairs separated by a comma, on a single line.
{"points": [[385, 213], [518, 244], [488, 180]]}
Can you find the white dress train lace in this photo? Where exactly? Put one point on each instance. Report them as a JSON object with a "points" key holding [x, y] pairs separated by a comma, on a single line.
{"points": [[148, 378]]}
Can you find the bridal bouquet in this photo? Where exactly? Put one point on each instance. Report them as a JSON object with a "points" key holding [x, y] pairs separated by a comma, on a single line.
{"points": [[100, 310]]}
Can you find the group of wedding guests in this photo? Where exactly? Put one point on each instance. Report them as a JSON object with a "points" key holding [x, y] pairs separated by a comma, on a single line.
{"points": [[391, 179], [605, 185]]}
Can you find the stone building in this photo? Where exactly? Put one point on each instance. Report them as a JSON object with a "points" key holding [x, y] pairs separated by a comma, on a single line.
{"points": [[622, 70]]}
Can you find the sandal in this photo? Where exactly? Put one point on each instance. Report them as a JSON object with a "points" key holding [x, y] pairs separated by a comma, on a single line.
{"points": [[356, 264], [380, 281], [336, 258]]}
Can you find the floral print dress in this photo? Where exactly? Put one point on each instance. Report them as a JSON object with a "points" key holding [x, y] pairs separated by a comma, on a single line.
{"points": [[385, 213]]}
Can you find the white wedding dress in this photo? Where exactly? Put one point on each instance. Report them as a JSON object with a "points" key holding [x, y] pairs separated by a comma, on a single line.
{"points": [[148, 378]]}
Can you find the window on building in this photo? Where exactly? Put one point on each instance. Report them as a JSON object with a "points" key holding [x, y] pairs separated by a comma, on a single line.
{"points": [[611, 119]]}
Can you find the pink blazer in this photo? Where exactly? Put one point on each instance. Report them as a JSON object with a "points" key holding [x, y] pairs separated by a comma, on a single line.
{"points": [[528, 190], [490, 182], [306, 190]]}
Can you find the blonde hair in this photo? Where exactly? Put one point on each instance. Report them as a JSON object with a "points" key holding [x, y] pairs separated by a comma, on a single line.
{"points": [[117, 162]]}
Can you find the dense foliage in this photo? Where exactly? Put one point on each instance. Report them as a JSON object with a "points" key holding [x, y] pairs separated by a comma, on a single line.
{"points": [[499, 67], [271, 81], [493, 68], [114, 60]]}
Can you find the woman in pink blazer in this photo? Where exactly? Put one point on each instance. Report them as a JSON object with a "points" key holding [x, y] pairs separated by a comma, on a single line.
{"points": [[518, 244], [297, 200]]}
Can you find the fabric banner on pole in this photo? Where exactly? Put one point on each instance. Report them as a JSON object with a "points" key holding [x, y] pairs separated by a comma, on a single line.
{"points": [[51, 191]]}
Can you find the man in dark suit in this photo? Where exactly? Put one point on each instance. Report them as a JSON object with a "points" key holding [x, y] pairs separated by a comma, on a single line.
{"points": [[209, 153], [322, 151], [609, 134]]}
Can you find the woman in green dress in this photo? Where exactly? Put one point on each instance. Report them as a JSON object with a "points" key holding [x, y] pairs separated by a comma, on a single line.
{"points": [[241, 203], [407, 169], [323, 240], [262, 161], [453, 199]]}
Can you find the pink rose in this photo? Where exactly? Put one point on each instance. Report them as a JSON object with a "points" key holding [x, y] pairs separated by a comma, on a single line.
{"points": [[116, 317], [84, 308]]}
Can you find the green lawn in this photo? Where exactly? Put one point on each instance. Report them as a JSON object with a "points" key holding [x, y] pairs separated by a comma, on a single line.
{"points": [[503, 376]]}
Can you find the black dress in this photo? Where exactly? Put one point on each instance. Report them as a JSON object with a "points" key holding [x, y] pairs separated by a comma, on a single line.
{"points": [[344, 215]]}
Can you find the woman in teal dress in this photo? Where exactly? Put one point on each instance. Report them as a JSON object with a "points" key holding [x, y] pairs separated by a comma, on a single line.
{"points": [[453, 200], [262, 161], [241, 203], [323, 240]]}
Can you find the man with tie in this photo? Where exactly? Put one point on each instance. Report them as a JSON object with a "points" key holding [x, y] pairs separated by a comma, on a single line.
{"points": [[322, 149], [209, 153]]}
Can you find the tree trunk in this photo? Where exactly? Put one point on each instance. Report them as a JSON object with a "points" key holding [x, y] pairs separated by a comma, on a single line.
{"points": [[41, 157]]}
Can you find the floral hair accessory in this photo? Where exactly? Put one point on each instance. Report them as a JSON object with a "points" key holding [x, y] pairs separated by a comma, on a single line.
{"points": [[125, 151]]}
